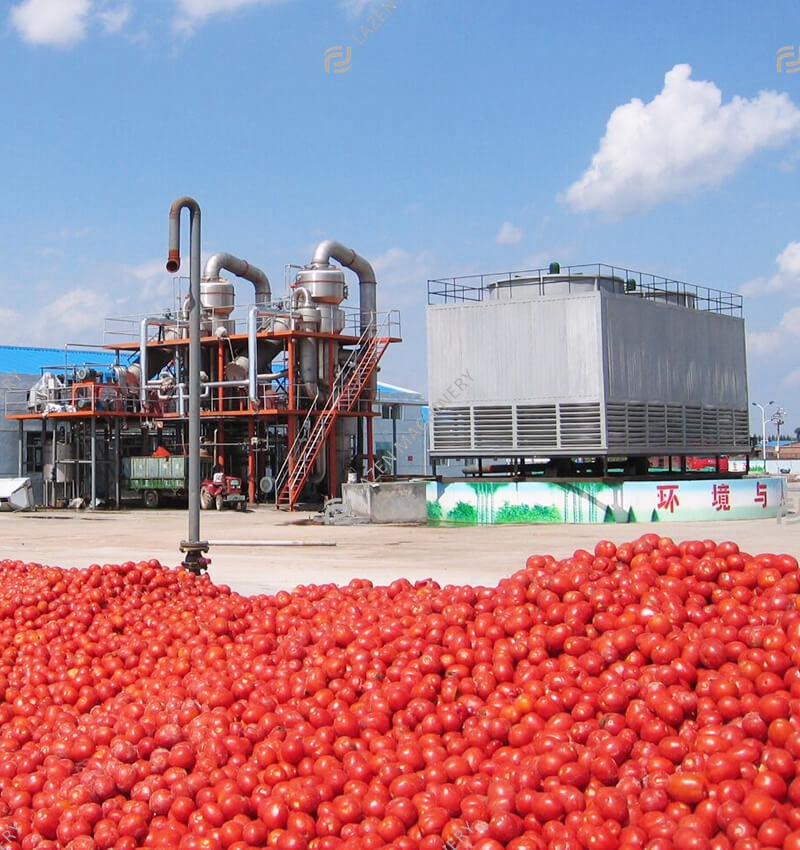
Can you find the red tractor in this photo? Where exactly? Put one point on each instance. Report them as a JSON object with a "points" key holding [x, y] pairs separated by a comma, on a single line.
{"points": [[222, 491]]}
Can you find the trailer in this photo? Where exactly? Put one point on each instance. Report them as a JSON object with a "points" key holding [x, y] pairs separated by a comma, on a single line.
{"points": [[151, 479]]}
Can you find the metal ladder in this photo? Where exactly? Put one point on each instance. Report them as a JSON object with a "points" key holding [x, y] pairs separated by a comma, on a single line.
{"points": [[347, 389]]}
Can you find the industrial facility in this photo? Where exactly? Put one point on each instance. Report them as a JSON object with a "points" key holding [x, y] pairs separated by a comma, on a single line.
{"points": [[288, 391], [586, 370]]}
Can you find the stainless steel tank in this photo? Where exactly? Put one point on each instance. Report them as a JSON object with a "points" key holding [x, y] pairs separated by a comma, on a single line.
{"points": [[332, 319], [326, 285], [217, 300]]}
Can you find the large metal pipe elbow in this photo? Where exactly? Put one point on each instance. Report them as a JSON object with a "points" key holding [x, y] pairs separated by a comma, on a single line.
{"points": [[329, 250], [174, 257], [241, 268]]}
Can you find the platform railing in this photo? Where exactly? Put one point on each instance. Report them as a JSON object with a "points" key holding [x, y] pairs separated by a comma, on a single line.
{"points": [[478, 287]]}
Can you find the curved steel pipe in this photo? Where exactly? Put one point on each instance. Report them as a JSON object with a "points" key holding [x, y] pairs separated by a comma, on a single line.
{"points": [[367, 302], [241, 268], [173, 265], [331, 249]]}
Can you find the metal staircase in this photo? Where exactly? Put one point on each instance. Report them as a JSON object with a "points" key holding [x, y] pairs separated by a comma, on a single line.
{"points": [[347, 389]]}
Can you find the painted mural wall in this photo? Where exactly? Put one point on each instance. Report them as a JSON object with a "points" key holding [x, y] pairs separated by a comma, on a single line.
{"points": [[488, 502]]}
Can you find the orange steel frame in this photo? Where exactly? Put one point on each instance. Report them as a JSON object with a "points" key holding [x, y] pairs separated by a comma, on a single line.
{"points": [[289, 417]]}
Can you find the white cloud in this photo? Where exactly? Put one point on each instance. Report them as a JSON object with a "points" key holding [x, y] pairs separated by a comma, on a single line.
{"points": [[682, 140], [58, 23], [785, 277], [402, 276], [63, 23], [767, 342], [76, 316], [356, 7], [113, 20], [77, 313], [193, 12], [509, 234]]}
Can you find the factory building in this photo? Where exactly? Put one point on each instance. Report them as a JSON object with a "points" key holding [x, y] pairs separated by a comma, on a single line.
{"points": [[399, 447], [288, 393]]}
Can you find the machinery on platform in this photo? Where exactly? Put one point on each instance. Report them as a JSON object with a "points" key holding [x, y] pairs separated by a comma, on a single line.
{"points": [[286, 385]]}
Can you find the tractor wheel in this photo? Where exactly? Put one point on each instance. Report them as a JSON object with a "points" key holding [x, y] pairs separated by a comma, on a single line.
{"points": [[206, 499], [219, 501]]}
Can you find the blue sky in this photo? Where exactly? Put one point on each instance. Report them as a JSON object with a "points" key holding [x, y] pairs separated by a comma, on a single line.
{"points": [[464, 137]]}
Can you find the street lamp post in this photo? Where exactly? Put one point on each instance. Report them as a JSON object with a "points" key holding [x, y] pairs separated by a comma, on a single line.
{"points": [[778, 417], [763, 409]]}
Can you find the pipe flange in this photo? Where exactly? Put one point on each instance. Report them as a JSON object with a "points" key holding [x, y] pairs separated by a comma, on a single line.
{"points": [[194, 559]]}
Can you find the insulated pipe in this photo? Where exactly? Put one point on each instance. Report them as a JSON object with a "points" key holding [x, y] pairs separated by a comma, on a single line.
{"points": [[330, 249], [272, 543], [144, 378], [252, 365], [252, 349], [241, 268], [301, 290], [173, 265]]}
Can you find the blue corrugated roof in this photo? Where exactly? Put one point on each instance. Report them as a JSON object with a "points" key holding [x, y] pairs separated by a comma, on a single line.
{"points": [[24, 360]]}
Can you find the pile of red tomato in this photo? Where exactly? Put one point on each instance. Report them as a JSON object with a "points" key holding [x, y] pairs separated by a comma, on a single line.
{"points": [[645, 695]]}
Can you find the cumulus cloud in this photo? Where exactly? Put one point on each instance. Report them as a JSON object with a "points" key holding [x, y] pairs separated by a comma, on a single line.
{"points": [[58, 23], [767, 342], [402, 276], [785, 277], [76, 316], [194, 12], [149, 280], [113, 20], [64, 23], [77, 313], [509, 234], [682, 140]]}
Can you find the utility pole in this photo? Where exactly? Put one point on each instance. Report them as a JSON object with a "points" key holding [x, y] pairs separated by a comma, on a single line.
{"points": [[763, 408], [778, 417]]}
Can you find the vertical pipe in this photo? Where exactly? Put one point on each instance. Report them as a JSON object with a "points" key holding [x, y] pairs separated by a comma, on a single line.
{"points": [[21, 445], [291, 423], [173, 264], [45, 488], [117, 485], [220, 376], [143, 376], [370, 445], [394, 441], [251, 462], [252, 360], [93, 458], [333, 470]]}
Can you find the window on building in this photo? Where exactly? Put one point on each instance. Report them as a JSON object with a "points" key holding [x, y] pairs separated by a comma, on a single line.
{"points": [[33, 452], [391, 411]]}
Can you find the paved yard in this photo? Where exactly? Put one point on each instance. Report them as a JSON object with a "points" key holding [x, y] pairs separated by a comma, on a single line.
{"points": [[476, 555]]}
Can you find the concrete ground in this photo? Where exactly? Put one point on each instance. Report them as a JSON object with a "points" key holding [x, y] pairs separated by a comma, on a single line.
{"points": [[450, 555]]}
